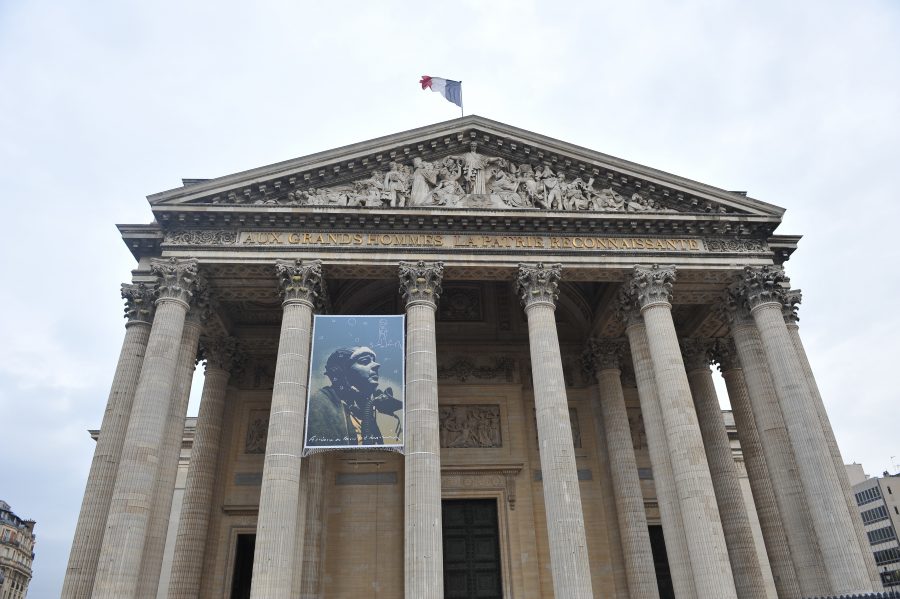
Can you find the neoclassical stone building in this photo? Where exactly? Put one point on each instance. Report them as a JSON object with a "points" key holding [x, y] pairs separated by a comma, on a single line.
{"points": [[563, 434]]}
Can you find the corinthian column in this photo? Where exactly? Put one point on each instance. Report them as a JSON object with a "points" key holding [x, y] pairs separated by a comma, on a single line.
{"points": [[845, 566], [129, 512], [139, 308], [302, 291], [777, 549], [735, 520], [222, 358], [639, 568], [167, 472], [651, 287], [420, 284], [314, 531], [537, 286], [789, 311], [660, 458]]}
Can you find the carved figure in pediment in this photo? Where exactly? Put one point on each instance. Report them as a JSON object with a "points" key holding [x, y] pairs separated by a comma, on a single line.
{"points": [[424, 180], [368, 192], [607, 199], [505, 187], [396, 185], [574, 195], [526, 180], [474, 167], [553, 184]]}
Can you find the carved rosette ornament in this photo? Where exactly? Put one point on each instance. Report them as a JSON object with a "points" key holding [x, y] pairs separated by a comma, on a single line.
{"points": [[538, 283], [420, 282], [791, 306], [762, 285], [725, 353], [652, 285], [697, 353], [140, 302], [222, 353], [177, 278], [605, 353], [301, 281]]}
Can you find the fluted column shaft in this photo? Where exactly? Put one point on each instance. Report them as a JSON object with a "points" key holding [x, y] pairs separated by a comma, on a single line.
{"points": [[129, 513], [782, 466], [562, 495], [424, 571], [276, 528], [703, 527], [85, 552], [635, 537], [660, 459], [840, 470], [735, 519], [845, 566], [777, 549], [190, 541], [170, 454], [314, 530]]}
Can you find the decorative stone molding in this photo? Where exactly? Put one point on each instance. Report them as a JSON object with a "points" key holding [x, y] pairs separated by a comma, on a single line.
{"points": [[762, 284], [257, 432], [791, 306], [735, 246], [140, 302], [201, 305], [731, 308], [301, 280], [725, 353], [200, 237], [223, 353], [538, 283], [697, 353], [470, 426], [461, 304], [501, 477], [651, 285], [461, 369], [605, 354], [177, 278], [421, 281]]}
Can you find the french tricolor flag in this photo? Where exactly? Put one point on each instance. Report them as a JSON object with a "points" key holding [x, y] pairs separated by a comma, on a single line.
{"points": [[451, 90]]}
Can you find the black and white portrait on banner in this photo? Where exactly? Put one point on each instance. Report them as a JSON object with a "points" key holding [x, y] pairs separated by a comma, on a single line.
{"points": [[356, 395]]}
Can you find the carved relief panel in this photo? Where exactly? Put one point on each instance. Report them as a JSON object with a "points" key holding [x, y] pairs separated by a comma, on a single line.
{"points": [[470, 426]]}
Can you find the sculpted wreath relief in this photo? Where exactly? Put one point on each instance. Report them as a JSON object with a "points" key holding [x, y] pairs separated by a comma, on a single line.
{"points": [[467, 181]]}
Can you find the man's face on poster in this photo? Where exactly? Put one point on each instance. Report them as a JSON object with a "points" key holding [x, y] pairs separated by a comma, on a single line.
{"points": [[363, 373]]}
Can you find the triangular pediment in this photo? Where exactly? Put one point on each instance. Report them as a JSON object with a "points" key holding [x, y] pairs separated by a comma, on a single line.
{"points": [[466, 163]]}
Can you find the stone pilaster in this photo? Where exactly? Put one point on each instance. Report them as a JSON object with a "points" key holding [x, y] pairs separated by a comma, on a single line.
{"points": [[314, 531], [776, 447], [640, 572], [223, 358], [170, 454], [777, 549], [845, 567], [130, 509], [651, 287], [420, 284], [538, 288], [732, 509], [660, 458], [790, 307], [82, 568], [302, 291]]}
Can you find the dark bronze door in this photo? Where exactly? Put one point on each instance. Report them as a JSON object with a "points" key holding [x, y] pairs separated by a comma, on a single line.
{"points": [[471, 549]]}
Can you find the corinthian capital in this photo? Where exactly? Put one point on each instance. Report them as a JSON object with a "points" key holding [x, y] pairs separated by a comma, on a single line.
{"points": [[697, 353], [302, 281], [791, 306], [421, 281], [222, 353], [762, 284], [604, 354], [177, 278], [725, 354], [732, 309], [140, 302], [538, 283], [201, 306], [651, 285], [626, 308]]}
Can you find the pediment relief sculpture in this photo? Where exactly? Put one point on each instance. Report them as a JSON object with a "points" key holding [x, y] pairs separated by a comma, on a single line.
{"points": [[467, 180]]}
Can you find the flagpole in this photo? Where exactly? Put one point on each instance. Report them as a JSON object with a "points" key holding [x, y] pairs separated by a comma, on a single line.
{"points": [[461, 113]]}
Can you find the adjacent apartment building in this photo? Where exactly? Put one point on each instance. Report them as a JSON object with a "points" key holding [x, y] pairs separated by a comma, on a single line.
{"points": [[16, 553], [878, 499]]}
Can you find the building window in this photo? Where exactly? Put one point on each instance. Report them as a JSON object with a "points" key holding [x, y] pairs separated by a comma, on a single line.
{"points": [[874, 515], [880, 535], [887, 556]]}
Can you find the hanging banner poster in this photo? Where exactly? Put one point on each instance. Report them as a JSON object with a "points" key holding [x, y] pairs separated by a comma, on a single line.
{"points": [[356, 375]]}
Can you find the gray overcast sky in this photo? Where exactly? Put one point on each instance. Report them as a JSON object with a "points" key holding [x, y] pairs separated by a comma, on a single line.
{"points": [[102, 103]]}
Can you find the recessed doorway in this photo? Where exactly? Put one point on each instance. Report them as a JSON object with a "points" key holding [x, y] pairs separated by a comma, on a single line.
{"points": [[471, 549]]}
